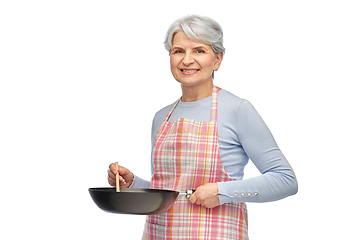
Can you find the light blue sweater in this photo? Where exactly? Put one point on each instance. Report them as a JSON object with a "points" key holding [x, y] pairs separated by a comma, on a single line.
{"points": [[242, 135]]}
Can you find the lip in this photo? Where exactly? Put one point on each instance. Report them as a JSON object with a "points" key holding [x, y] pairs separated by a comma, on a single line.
{"points": [[189, 71]]}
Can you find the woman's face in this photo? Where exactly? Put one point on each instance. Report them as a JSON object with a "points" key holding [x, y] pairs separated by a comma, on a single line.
{"points": [[192, 63]]}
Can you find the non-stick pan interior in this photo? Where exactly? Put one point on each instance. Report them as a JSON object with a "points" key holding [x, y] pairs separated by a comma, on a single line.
{"points": [[141, 201]]}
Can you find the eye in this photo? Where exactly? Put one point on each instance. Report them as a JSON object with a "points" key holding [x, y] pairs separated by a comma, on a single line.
{"points": [[177, 51], [200, 51]]}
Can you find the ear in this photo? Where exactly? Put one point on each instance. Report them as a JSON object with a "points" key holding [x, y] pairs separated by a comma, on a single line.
{"points": [[218, 60]]}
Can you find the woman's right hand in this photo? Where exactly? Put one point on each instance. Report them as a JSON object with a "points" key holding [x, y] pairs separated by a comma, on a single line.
{"points": [[125, 176]]}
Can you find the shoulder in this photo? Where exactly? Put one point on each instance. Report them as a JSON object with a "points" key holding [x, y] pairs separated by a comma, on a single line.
{"points": [[161, 114], [225, 95], [230, 101], [234, 108]]}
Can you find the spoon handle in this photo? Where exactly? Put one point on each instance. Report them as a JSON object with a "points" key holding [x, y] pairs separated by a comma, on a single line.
{"points": [[117, 177]]}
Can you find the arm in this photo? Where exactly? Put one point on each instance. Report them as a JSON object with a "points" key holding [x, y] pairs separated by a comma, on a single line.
{"points": [[277, 180]]}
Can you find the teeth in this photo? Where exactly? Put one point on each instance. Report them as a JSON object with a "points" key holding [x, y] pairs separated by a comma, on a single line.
{"points": [[189, 70]]}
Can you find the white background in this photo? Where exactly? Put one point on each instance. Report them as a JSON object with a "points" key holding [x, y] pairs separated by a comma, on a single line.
{"points": [[82, 80]]}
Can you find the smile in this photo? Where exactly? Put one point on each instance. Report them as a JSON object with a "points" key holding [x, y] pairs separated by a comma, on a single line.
{"points": [[189, 71]]}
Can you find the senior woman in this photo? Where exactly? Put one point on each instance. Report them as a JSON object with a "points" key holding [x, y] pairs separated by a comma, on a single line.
{"points": [[203, 141]]}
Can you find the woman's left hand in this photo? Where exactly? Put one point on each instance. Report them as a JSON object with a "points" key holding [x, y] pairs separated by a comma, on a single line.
{"points": [[206, 195]]}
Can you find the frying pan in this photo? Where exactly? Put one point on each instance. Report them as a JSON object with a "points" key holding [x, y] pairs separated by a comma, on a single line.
{"points": [[141, 201]]}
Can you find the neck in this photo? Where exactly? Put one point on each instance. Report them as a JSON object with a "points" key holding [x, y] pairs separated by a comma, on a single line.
{"points": [[195, 93]]}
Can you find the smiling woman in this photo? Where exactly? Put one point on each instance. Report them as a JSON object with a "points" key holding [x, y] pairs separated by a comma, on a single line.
{"points": [[203, 141]]}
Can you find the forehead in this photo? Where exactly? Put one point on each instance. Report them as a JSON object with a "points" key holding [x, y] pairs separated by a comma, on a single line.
{"points": [[182, 40]]}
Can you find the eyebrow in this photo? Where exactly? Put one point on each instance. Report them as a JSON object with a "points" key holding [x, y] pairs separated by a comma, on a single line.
{"points": [[175, 47]]}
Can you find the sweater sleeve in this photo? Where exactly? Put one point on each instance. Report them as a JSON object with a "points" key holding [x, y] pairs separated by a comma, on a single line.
{"points": [[277, 179], [139, 183]]}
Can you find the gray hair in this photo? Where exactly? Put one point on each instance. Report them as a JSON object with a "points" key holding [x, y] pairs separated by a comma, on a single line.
{"points": [[198, 29]]}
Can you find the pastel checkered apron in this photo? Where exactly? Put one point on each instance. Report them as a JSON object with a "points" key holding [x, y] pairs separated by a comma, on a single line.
{"points": [[186, 155]]}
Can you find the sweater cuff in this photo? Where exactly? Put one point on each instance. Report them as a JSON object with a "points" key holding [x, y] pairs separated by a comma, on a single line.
{"points": [[238, 191], [139, 183]]}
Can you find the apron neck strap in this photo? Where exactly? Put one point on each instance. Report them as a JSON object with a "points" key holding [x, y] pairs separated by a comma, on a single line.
{"points": [[214, 103]]}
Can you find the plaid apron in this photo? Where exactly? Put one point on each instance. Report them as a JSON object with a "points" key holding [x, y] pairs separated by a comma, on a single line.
{"points": [[186, 155]]}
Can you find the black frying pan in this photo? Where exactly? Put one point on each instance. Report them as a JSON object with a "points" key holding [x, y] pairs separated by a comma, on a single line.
{"points": [[142, 201]]}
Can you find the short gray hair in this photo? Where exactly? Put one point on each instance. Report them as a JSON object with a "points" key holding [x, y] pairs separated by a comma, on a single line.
{"points": [[198, 29]]}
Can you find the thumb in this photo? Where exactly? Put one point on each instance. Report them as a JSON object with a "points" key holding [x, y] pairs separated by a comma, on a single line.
{"points": [[123, 171], [193, 198]]}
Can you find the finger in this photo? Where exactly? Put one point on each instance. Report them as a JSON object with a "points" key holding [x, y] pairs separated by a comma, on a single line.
{"points": [[111, 175], [192, 198], [112, 168], [123, 171], [122, 180], [126, 174], [111, 182]]}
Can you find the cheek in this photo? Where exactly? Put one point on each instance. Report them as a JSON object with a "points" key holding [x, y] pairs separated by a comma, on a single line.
{"points": [[173, 67], [208, 63], [173, 63]]}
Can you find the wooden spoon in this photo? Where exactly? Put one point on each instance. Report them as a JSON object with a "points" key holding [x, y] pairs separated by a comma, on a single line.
{"points": [[117, 177]]}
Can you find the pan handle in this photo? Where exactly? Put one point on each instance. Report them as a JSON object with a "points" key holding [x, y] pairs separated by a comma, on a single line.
{"points": [[188, 193]]}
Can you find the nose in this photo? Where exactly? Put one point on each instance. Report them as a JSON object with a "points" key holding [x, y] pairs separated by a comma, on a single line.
{"points": [[188, 59]]}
